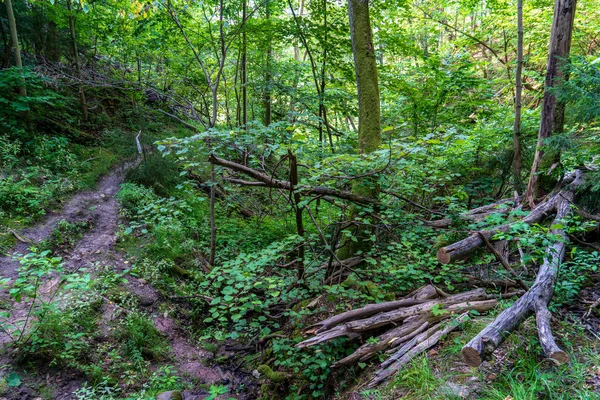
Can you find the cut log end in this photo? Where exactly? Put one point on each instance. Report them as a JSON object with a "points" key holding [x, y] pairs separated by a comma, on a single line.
{"points": [[560, 357], [443, 256], [471, 356]]}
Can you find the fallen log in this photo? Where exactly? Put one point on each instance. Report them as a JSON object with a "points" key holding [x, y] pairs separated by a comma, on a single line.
{"points": [[391, 338], [536, 299], [417, 297], [416, 346], [427, 308], [473, 281], [410, 329], [463, 248], [394, 316], [474, 215]]}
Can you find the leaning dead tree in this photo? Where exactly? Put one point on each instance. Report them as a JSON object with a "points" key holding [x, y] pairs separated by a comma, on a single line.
{"points": [[463, 248], [402, 328], [536, 299]]}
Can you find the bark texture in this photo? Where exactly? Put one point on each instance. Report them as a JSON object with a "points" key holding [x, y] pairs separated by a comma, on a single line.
{"points": [[517, 159], [369, 112], [413, 324], [552, 118]]}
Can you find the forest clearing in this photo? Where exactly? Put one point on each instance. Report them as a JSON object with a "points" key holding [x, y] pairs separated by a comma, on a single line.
{"points": [[299, 199]]}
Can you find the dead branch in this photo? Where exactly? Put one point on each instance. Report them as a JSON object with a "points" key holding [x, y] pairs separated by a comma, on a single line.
{"points": [[503, 261], [266, 180], [416, 324]]}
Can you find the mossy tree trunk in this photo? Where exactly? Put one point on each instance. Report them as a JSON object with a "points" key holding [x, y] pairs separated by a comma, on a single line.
{"points": [[15, 42], [369, 115]]}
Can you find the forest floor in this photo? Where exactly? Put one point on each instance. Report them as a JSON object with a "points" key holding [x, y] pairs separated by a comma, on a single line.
{"points": [[440, 374], [94, 250]]}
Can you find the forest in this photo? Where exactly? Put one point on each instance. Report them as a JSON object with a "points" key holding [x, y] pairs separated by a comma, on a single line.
{"points": [[299, 199]]}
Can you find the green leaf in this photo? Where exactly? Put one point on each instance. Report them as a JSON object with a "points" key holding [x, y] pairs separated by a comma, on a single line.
{"points": [[13, 380]]}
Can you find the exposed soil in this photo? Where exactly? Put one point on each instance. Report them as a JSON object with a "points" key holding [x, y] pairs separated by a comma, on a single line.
{"points": [[97, 249]]}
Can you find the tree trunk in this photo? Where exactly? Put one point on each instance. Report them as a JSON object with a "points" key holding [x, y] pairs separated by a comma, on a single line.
{"points": [[296, 48], [268, 75], [15, 43], [552, 118], [243, 69], [84, 109], [52, 47], [369, 114], [295, 199], [213, 225], [517, 160]]}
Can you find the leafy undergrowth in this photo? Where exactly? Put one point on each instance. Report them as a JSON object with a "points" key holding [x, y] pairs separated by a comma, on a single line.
{"points": [[72, 328], [253, 299]]}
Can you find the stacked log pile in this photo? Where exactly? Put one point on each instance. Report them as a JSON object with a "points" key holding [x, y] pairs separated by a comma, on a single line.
{"points": [[410, 326]]}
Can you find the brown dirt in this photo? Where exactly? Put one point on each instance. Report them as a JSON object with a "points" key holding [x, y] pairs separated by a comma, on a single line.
{"points": [[97, 248]]}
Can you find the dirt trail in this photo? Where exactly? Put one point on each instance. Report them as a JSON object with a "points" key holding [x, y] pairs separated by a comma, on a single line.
{"points": [[95, 249]]}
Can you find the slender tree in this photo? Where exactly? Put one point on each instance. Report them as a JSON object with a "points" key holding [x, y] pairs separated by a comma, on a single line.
{"points": [[243, 68], [553, 112], [268, 73], [369, 113], [517, 159], [82, 100], [15, 42]]}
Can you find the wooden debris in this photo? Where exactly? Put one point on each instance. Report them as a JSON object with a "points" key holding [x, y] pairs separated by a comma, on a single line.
{"points": [[410, 322]]}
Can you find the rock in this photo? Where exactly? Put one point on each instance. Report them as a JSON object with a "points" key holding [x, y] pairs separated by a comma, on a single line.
{"points": [[146, 300], [170, 395], [454, 390]]}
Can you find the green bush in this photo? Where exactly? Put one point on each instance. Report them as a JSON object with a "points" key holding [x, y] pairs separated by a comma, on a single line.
{"points": [[140, 338], [156, 172]]}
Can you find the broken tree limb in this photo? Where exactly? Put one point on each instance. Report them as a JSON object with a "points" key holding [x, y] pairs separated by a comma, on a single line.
{"points": [[269, 181], [445, 307], [535, 300], [474, 215], [462, 248], [503, 261], [391, 317], [473, 281], [391, 338], [409, 329], [414, 328], [182, 122]]}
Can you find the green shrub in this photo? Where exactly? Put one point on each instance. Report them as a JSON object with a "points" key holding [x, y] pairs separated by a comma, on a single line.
{"points": [[156, 172], [140, 337]]}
